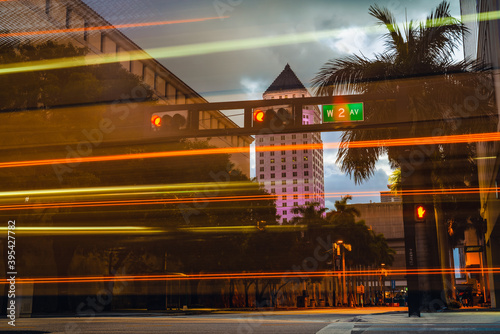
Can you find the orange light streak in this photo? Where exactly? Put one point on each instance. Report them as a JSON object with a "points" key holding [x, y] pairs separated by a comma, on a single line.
{"points": [[108, 27], [416, 141], [221, 276]]}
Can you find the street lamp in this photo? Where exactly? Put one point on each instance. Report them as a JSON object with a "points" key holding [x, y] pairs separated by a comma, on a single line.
{"points": [[383, 273], [338, 247]]}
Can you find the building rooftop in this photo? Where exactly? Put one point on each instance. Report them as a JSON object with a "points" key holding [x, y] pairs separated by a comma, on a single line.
{"points": [[287, 80]]}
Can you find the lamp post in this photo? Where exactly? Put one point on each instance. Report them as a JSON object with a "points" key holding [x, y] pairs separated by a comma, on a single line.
{"points": [[383, 273], [341, 252]]}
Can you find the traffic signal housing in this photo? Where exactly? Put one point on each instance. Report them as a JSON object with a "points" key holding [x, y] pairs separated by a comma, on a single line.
{"points": [[420, 212], [273, 120], [168, 122]]}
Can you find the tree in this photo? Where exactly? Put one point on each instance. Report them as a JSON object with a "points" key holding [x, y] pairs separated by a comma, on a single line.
{"points": [[432, 92], [395, 181], [368, 248], [311, 214]]}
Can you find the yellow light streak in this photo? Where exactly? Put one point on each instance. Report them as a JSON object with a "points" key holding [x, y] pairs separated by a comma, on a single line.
{"points": [[157, 188], [107, 27], [208, 48], [64, 230]]}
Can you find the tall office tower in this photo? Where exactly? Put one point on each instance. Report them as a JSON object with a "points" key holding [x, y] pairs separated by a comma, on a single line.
{"points": [[295, 175]]}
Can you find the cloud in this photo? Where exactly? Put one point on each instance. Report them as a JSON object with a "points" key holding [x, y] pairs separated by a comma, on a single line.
{"points": [[338, 185], [253, 88]]}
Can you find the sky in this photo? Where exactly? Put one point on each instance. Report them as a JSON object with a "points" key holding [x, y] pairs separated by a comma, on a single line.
{"points": [[244, 45]]}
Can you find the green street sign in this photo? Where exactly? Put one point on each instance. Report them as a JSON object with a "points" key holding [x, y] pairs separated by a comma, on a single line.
{"points": [[344, 112]]}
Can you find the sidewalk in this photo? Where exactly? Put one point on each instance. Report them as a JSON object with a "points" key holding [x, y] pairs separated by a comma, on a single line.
{"points": [[457, 321]]}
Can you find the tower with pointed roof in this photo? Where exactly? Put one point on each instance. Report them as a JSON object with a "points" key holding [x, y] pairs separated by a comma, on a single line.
{"points": [[295, 175]]}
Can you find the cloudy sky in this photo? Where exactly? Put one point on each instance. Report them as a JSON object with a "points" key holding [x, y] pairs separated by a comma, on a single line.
{"points": [[239, 51]]}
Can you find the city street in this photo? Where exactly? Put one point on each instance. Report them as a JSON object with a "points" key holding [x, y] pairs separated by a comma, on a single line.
{"points": [[323, 321]]}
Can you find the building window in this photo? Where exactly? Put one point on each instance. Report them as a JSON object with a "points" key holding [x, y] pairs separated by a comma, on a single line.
{"points": [[284, 221], [272, 167], [295, 181], [271, 154], [294, 173], [272, 161], [261, 161], [283, 197], [295, 203], [294, 136], [261, 154], [306, 173], [294, 151], [283, 190], [306, 165], [103, 35], [282, 137], [304, 135], [272, 183], [283, 174], [284, 212], [261, 169], [283, 204], [272, 175], [261, 176], [261, 140], [273, 191], [47, 7], [271, 139], [306, 188], [295, 189], [283, 159], [283, 152], [68, 16], [283, 182], [294, 143], [294, 159], [294, 166], [306, 180], [307, 196], [305, 151]]}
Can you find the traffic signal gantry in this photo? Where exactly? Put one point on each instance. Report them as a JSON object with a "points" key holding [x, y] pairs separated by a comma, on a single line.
{"points": [[272, 116]]}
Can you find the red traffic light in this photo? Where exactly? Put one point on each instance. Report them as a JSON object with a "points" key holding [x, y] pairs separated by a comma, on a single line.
{"points": [[420, 212], [258, 115], [156, 120]]}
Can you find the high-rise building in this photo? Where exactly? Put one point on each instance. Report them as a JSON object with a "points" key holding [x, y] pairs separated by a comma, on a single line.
{"points": [[294, 175]]}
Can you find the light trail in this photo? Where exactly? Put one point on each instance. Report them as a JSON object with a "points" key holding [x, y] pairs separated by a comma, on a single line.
{"points": [[216, 199], [107, 27], [65, 230], [215, 47], [249, 275], [414, 141], [156, 188]]}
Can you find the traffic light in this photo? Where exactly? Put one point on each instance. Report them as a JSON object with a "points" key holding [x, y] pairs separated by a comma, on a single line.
{"points": [[271, 119], [166, 122], [420, 212]]}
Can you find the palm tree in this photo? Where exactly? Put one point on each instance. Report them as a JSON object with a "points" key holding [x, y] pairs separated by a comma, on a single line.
{"points": [[311, 214], [342, 210], [432, 92], [416, 66], [368, 248], [395, 181]]}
